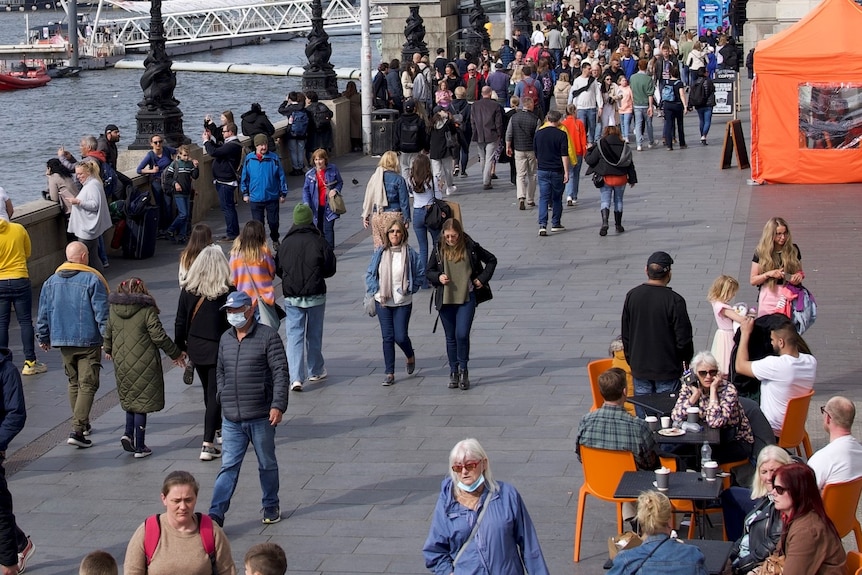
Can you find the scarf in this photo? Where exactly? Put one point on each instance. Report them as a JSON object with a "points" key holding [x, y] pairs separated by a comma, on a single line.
{"points": [[385, 273], [83, 268], [375, 194]]}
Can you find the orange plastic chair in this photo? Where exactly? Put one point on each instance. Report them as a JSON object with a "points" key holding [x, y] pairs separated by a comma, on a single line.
{"points": [[728, 468], [854, 563], [595, 369], [840, 501], [603, 470], [793, 433]]}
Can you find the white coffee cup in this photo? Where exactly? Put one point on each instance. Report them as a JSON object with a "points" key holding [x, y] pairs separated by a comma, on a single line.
{"points": [[665, 422], [662, 478], [710, 469], [652, 422], [693, 414]]}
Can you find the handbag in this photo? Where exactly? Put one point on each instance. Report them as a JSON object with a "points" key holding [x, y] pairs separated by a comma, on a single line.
{"points": [[270, 314], [483, 294], [436, 213], [336, 203], [774, 565], [598, 180], [370, 305]]}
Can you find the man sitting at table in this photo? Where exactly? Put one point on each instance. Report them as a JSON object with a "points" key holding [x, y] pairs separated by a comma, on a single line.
{"points": [[788, 374], [841, 459]]}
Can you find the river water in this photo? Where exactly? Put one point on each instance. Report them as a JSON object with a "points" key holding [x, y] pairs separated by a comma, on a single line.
{"points": [[36, 122]]}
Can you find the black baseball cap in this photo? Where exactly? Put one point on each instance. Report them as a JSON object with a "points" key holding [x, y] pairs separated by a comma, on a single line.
{"points": [[111, 128], [662, 259]]}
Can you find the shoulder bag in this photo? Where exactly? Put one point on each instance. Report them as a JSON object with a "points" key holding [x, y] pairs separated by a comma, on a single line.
{"points": [[189, 372], [336, 203]]}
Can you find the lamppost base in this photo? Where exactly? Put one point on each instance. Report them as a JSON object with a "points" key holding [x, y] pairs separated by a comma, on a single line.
{"points": [[169, 124], [325, 83]]}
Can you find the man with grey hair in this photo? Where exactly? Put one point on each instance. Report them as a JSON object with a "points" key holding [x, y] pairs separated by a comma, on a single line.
{"points": [[519, 141], [552, 158], [841, 459], [487, 119]]}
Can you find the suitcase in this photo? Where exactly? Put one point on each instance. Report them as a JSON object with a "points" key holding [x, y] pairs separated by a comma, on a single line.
{"points": [[139, 241]]}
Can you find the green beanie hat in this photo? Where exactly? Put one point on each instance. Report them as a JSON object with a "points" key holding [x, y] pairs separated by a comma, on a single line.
{"points": [[302, 215]]}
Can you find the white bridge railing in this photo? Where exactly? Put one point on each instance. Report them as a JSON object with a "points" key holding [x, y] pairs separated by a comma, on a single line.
{"points": [[196, 20]]}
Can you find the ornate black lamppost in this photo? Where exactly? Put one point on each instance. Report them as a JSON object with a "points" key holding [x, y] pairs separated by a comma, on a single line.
{"points": [[158, 111], [521, 17], [478, 19], [415, 34], [319, 74]]}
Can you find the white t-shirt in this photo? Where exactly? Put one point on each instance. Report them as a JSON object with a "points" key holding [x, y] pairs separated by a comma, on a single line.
{"points": [[838, 462], [782, 378]]}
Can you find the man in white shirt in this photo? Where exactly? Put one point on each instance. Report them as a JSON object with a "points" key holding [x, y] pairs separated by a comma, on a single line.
{"points": [[586, 95], [789, 374], [841, 459]]}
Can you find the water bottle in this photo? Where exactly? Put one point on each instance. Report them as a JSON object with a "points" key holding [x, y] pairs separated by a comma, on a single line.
{"points": [[705, 455]]}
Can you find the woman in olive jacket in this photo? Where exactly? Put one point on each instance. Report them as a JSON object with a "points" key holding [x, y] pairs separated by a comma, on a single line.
{"points": [[133, 337]]}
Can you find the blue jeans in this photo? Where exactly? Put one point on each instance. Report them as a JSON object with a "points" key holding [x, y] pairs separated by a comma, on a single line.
{"points": [[645, 386], [574, 183], [626, 124], [394, 323], [296, 149], [588, 117], [16, 293], [673, 117], [228, 209], [705, 116], [103, 254], [270, 208], [457, 321], [180, 226], [550, 191], [421, 232], [614, 193], [236, 436], [641, 119], [328, 232], [304, 330]]}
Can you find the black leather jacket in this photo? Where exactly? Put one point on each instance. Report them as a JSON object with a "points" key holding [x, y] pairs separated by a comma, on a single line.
{"points": [[763, 535]]}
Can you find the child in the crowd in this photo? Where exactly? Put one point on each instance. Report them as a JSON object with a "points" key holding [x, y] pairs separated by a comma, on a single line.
{"points": [[98, 563], [265, 559], [133, 337], [615, 350], [723, 289], [178, 182]]}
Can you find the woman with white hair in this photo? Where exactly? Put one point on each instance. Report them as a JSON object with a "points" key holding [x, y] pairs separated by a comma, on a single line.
{"points": [[719, 406], [198, 328], [480, 525], [658, 553]]}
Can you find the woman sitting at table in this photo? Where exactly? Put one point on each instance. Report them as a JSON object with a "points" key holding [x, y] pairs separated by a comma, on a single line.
{"points": [[809, 542], [757, 534], [719, 406], [658, 553]]}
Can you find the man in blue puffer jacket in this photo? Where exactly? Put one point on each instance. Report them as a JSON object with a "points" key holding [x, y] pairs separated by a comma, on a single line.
{"points": [[264, 185]]}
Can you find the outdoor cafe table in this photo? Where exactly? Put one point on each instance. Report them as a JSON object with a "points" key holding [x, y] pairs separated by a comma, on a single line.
{"points": [[709, 434], [655, 403], [681, 485], [716, 553]]}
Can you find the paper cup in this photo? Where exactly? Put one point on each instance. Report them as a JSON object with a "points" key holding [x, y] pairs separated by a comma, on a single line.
{"points": [[665, 422], [710, 470], [662, 478], [693, 414], [652, 422]]}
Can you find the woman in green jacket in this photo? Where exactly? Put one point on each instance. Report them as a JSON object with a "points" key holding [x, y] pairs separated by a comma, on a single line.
{"points": [[133, 338]]}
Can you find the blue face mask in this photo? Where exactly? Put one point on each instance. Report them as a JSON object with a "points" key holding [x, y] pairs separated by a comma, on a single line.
{"points": [[476, 485]]}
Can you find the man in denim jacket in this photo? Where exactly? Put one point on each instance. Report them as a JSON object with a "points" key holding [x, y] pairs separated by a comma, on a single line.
{"points": [[73, 313]]}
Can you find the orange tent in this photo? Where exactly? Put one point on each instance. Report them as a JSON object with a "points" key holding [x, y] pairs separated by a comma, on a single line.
{"points": [[806, 100]]}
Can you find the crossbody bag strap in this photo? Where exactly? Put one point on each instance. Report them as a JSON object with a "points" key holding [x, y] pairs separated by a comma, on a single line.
{"points": [[197, 307], [475, 528], [650, 555]]}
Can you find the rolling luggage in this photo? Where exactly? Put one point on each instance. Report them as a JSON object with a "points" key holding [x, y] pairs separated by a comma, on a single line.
{"points": [[139, 241]]}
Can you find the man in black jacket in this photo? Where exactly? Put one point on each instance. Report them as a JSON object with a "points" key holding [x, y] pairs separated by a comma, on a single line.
{"points": [[251, 375], [410, 136], [304, 260], [227, 158]]}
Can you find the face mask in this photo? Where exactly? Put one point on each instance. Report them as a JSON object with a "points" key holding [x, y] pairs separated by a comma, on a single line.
{"points": [[237, 319], [471, 488]]}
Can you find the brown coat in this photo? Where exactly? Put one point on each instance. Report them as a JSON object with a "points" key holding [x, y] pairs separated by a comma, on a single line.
{"points": [[812, 549]]}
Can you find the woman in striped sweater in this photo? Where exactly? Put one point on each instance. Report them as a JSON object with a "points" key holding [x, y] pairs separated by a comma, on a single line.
{"points": [[252, 269]]}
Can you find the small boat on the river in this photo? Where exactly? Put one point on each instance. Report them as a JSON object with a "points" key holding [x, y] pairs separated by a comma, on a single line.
{"points": [[19, 79]]}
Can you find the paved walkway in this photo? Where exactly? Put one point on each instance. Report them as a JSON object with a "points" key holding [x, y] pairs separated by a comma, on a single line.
{"points": [[361, 464]]}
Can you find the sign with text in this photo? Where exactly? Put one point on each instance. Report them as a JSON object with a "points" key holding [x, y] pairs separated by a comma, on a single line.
{"points": [[725, 82]]}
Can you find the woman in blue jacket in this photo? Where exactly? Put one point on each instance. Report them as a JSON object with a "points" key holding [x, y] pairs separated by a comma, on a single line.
{"points": [[395, 273], [480, 526], [321, 181]]}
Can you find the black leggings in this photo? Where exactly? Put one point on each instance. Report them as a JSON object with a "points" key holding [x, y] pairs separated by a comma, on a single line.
{"points": [[212, 418]]}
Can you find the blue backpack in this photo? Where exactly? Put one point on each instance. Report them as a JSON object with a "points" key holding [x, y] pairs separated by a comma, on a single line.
{"points": [[298, 123]]}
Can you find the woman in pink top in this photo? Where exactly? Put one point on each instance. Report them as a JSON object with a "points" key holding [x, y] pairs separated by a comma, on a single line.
{"points": [[252, 267], [626, 107]]}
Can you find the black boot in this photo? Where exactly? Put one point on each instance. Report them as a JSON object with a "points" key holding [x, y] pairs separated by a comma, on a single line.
{"points": [[453, 380], [618, 220], [603, 231], [464, 382]]}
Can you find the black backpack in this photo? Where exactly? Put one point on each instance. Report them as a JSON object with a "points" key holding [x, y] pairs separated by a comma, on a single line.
{"points": [[409, 136], [322, 117], [697, 97]]}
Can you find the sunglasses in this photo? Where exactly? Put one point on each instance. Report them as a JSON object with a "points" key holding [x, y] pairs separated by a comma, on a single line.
{"points": [[469, 466], [823, 410], [157, 141], [711, 373], [779, 489]]}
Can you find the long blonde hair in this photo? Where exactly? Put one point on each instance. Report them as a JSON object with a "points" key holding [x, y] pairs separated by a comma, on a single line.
{"points": [[768, 258], [209, 274], [723, 288], [250, 245], [457, 252]]}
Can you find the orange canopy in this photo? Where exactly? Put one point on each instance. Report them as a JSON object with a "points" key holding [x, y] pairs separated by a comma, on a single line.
{"points": [[820, 49]]}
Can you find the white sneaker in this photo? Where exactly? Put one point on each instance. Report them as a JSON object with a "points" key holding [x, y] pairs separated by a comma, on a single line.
{"points": [[296, 386], [316, 378], [569, 201], [451, 190], [640, 149]]}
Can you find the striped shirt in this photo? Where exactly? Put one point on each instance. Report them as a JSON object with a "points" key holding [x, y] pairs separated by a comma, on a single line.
{"points": [[247, 276]]}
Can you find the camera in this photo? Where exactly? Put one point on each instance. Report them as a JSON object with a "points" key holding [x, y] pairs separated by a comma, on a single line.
{"points": [[688, 378]]}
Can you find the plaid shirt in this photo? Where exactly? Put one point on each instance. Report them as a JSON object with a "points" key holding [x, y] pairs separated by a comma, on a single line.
{"points": [[611, 427]]}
